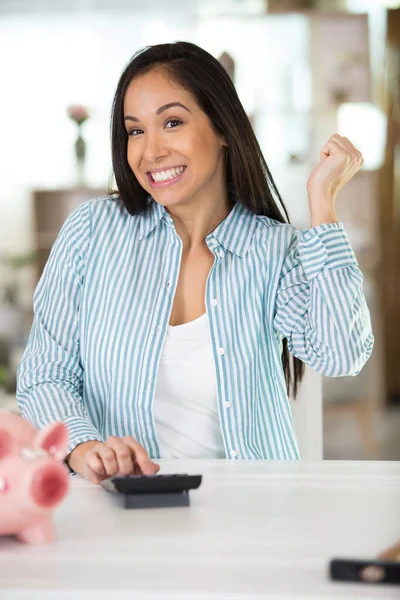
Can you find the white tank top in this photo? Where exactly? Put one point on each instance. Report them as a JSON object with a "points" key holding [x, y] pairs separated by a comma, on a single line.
{"points": [[185, 401]]}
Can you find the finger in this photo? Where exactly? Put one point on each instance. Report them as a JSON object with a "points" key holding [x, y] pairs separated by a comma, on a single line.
{"points": [[91, 475], [93, 467], [349, 145], [346, 151], [331, 147], [346, 144], [141, 457], [123, 454], [94, 462], [109, 459], [138, 471], [342, 140], [354, 154]]}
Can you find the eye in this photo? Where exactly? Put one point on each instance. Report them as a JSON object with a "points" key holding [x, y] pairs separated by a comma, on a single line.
{"points": [[133, 132], [173, 121]]}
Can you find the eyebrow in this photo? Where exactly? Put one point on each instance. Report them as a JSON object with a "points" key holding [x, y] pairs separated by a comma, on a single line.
{"points": [[160, 110]]}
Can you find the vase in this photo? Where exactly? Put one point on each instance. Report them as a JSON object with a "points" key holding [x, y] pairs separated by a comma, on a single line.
{"points": [[80, 154]]}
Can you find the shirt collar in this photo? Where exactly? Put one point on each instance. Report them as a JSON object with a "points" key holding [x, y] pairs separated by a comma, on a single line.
{"points": [[234, 233]]}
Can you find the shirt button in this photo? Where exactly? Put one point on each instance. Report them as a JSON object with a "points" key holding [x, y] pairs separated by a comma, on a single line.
{"points": [[221, 351], [233, 453], [168, 284], [158, 329], [214, 302], [227, 405]]}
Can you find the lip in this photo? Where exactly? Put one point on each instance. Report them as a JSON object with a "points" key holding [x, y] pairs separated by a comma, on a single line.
{"points": [[158, 184]]}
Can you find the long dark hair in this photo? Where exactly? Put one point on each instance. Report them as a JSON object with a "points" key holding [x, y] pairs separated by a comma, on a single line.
{"points": [[248, 177]]}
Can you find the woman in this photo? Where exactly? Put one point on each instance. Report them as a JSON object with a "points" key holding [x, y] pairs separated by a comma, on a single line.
{"points": [[165, 313]]}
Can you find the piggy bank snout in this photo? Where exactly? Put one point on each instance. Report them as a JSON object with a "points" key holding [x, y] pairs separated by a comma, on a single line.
{"points": [[49, 485]]}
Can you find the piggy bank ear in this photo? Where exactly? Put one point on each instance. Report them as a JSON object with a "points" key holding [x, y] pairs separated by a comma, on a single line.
{"points": [[6, 443], [53, 439]]}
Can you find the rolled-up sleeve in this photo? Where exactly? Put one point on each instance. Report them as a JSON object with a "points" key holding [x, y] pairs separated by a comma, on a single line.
{"points": [[320, 305], [50, 376]]}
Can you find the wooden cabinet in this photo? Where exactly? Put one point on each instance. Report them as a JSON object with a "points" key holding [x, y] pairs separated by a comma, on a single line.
{"points": [[51, 208]]}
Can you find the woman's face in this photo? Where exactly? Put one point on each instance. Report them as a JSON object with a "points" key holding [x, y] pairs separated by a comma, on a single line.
{"points": [[172, 148]]}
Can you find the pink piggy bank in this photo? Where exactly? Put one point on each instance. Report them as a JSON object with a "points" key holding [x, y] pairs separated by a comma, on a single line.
{"points": [[33, 478]]}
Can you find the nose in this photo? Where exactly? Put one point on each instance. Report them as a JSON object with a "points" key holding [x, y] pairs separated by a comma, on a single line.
{"points": [[155, 148]]}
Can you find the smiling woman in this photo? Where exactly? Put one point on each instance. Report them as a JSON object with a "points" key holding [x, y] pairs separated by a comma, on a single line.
{"points": [[186, 113], [183, 292]]}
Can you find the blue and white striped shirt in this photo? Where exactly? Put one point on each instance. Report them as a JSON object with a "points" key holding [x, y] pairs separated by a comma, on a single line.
{"points": [[102, 309]]}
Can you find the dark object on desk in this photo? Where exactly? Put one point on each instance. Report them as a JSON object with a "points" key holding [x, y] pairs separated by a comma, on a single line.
{"points": [[365, 571], [152, 491]]}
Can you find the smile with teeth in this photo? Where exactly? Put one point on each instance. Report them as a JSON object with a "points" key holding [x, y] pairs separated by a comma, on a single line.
{"points": [[166, 175]]}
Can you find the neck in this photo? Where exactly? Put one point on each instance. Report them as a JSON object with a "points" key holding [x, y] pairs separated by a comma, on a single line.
{"points": [[193, 223]]}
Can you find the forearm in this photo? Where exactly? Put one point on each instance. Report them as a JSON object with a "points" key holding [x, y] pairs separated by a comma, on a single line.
{"points": [[334, 335], [322, 208], [321, 308], [52, 401]]}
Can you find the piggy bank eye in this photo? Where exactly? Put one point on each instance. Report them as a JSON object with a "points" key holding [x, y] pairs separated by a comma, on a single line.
{"points": [[3, 485], [30, 454]]}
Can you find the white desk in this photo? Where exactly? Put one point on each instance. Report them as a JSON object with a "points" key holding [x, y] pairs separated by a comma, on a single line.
{"points": [[253, 530]]}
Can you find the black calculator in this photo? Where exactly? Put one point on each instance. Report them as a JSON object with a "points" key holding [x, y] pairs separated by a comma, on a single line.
{"points": [[152, 491]]}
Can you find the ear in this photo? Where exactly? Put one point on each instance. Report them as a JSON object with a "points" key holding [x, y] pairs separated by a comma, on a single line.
{"points": [[6, 443], [53, 439]]}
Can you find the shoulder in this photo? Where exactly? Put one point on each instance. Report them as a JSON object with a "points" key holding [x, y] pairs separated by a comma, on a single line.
{"points": [[76, 231], [97, 213], [269, 230], [99, 204], [104, 205]]}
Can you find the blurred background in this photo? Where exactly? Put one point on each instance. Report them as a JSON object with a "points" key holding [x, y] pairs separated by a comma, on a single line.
{"points": [[303, 70]]}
